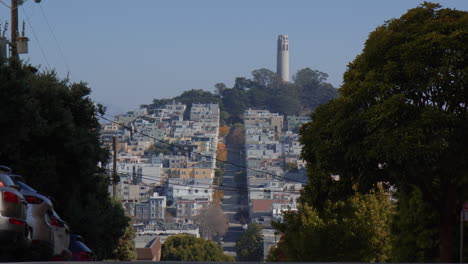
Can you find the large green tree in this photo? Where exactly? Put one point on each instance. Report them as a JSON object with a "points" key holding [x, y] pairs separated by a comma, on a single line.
{"points": [[186, 247], [50, 135], [401, 117], [250, 245]]}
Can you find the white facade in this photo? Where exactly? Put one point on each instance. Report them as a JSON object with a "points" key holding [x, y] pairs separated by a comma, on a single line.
{"points": [[190, 189]]}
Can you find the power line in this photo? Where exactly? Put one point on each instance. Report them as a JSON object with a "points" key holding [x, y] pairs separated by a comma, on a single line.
{"points": [[3, 3], [35, 36], [55, 38], [206, 187], [206, 156]]}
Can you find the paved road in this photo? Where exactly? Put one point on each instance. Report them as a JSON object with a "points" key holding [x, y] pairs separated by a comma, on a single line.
{"points": [[232, 201]]}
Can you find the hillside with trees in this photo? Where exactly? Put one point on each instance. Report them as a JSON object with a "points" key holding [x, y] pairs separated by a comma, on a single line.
{"points": [[264, 90]]}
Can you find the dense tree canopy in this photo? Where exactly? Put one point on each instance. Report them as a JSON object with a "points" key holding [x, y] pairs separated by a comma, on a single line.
{"points": [[50, 136], [401, 118], [185, 247]]}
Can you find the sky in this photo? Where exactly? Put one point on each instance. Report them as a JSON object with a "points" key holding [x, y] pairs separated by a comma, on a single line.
{"points": [[130, 52]]}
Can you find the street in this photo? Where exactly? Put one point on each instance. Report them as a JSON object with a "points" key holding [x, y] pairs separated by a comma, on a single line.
{"points": [[233, 200]]}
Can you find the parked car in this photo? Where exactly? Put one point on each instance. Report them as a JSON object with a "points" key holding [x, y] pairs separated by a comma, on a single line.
{"points": [[15, 233], [80, 251], [39, 212], [61, 238]]}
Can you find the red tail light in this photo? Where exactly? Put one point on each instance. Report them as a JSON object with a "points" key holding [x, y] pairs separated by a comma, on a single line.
{"points": [[10, 197], [33, 200], [56, 222], [1, 184], [16, 222]]}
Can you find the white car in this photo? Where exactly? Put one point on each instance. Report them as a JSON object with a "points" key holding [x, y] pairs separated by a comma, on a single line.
{"points": [[61, 237]]}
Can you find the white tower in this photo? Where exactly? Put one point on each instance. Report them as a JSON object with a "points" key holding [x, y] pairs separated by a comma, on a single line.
{"points": [[282, 63]]}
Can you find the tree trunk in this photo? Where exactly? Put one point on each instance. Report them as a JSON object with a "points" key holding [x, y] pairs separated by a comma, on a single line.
{"points": [[446, 243], [447, 225]]}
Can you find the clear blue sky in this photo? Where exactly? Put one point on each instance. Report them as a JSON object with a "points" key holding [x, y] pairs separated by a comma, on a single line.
{"points": [[133, 51]]}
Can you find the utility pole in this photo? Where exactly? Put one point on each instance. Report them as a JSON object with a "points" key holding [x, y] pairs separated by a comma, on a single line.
{"points": [[14, 28], [114, 168]]}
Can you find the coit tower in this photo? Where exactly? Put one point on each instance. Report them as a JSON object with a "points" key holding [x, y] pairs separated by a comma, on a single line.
{"points": [[282, 60]]}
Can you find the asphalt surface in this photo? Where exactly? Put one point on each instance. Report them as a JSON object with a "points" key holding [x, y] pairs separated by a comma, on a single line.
{"points": [[233, 200]]}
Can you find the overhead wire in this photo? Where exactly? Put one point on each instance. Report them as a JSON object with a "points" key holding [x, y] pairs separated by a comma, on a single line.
{"points": [[205, 186], [35, 37], [3, 3], [55, 38], [201, 155]]}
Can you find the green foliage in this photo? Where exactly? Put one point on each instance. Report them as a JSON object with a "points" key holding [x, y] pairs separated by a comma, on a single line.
{"points": [[185, 247], [291, 166], [312, 88], [126, 251], [414, 229], [401, 118], [250, 246], [235, 102], [50, 136], [224, 118], [274, 254], [354, 230]]}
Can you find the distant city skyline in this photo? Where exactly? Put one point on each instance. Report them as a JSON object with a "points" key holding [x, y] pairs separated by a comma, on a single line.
{"points": [[132, 52]]}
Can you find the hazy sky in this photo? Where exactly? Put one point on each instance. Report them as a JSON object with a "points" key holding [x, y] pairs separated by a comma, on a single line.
{"points": [[133, 51]]}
